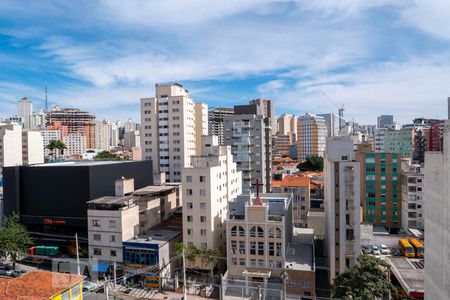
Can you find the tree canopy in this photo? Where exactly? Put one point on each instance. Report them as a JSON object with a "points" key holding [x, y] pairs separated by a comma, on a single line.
{"points": [[312, 163], [106, 155], [365, 280], [14, 238]]}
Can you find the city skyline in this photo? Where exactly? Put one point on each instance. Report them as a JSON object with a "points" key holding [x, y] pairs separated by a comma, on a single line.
{"points": [[390, 54]]}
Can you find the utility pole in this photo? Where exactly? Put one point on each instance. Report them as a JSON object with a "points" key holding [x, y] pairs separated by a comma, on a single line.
{"points": [[78, 255], [115, 275], [106, 289], [184, 276]]}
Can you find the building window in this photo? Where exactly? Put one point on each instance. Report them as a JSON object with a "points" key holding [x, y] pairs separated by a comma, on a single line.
{"points": [[97, 251], [95, 223], [65, 296], [189, 218], [202, 219], [260, 248], [271, 249], [203, 246], [189, 231], [202, 192], [241, 247], [234, 247], [278, 249], [112, 223], [202, 178], [202, 205], [242, 261], [113, 253], [113, 238], [189, 192], [203, 232], [76, 291], [256, 231], [97, 237], [305, 284], [234, 261], [189, 205], [275, 232], [252, 262], [188, 178], [253, 248]]}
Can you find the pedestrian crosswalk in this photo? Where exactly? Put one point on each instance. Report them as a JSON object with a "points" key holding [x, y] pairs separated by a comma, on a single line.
{"points": [[138, 293]]}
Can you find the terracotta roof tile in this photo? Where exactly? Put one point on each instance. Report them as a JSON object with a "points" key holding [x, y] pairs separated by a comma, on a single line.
{"points": [[292, 181], [36, 285]]}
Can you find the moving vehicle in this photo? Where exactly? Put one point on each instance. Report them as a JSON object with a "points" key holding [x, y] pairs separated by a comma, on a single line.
{"points": [[406, 248], [376, 250], [44, 251], [384, 249], [418, 247]]}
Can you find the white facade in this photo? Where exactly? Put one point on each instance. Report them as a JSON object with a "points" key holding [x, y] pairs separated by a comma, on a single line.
{"points": [[208, 185], [25, 109], [75, 143], [32, 147], [287, 123], [333, 123], [342, 198], [437, 220], [47, 136], [114, 134], [37, 120], [168, 130], [102, 135], [412, 196], [10, 145], [379, 139], [107, 229]]}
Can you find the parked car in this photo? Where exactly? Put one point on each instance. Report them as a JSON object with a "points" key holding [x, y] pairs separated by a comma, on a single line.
{"points": [[396, 252], [384, 249], [365, 250], [376, 250], [88, 286]]}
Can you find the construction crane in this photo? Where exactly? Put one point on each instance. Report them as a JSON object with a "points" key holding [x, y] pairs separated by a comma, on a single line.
{"points": [[340, 109]]}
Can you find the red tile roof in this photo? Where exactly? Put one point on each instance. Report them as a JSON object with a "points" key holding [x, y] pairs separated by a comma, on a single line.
{"points": [[37, 285], [290, 181]]}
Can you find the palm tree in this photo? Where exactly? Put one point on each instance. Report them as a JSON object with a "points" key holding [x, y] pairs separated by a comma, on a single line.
{"points": [[192, 253], [60, 146], [52, 146]]}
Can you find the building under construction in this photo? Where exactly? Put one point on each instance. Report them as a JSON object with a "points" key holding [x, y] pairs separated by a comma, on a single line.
{"points": [[215, 121], [77, 122]]}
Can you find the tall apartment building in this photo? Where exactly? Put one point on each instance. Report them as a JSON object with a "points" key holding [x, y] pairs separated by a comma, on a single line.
{"points": [[37, 120], [75, 143], [400, 141], [201, 124], [47, 136], [25, 109], [215, 121], [248, 132], [342, 205], [380, 188], [210, 182], [102, 135], [412, 195], [385, 121], [259, 230], [311, 136], [437, 218], [334, 123], [287, 123], [267, 110], [10, 145], [436, 135], [80, 126], [282, 143], [32, 147], [300, 187], [131, 140], [379, 139], [168, 129]]}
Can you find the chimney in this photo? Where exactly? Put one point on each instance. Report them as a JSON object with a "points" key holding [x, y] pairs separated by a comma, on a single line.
{"points": [[124, 187]]}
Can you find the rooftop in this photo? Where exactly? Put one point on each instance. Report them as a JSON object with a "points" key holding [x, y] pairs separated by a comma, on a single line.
{"points": [[300, 252], [159, 237], [81, 163], [154, 189], [110, 202], [37, 285], [409, 273], [292, 181]]}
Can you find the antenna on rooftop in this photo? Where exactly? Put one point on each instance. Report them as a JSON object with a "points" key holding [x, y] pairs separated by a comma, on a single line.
{"points": [[46, 97]]}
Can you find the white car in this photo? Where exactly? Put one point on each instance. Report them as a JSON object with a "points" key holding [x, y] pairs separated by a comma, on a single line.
{"points": [[376, 250], [384, 249]]}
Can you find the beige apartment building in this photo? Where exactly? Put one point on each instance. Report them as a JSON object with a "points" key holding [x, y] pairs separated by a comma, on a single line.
{"points": [[208, 184], [287, 124], [342, 205], [170, 125], [311, 136]]}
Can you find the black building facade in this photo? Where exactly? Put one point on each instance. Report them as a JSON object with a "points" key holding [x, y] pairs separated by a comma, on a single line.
{"points": [[51, 198]]}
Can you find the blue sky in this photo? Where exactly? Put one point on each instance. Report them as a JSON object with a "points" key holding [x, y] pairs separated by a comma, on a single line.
{"points": [[376, 57]]}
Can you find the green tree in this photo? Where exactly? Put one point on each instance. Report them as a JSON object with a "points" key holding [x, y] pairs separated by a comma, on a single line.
{"points": [[14, 238], [60, 146], [365, 280], [106, 155], [312, 163], [52, 146]]}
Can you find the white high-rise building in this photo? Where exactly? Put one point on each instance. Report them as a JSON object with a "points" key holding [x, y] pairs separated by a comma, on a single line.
{"points": [[412, 195], [334, 123], [37, 120], [25, 109], [437, 220], [47, 136], [287, 124], [102, 135], [114, 134], [342, 204], [208, 185], [32, 147], [75, 143], [168, 130], [10, 145]]}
